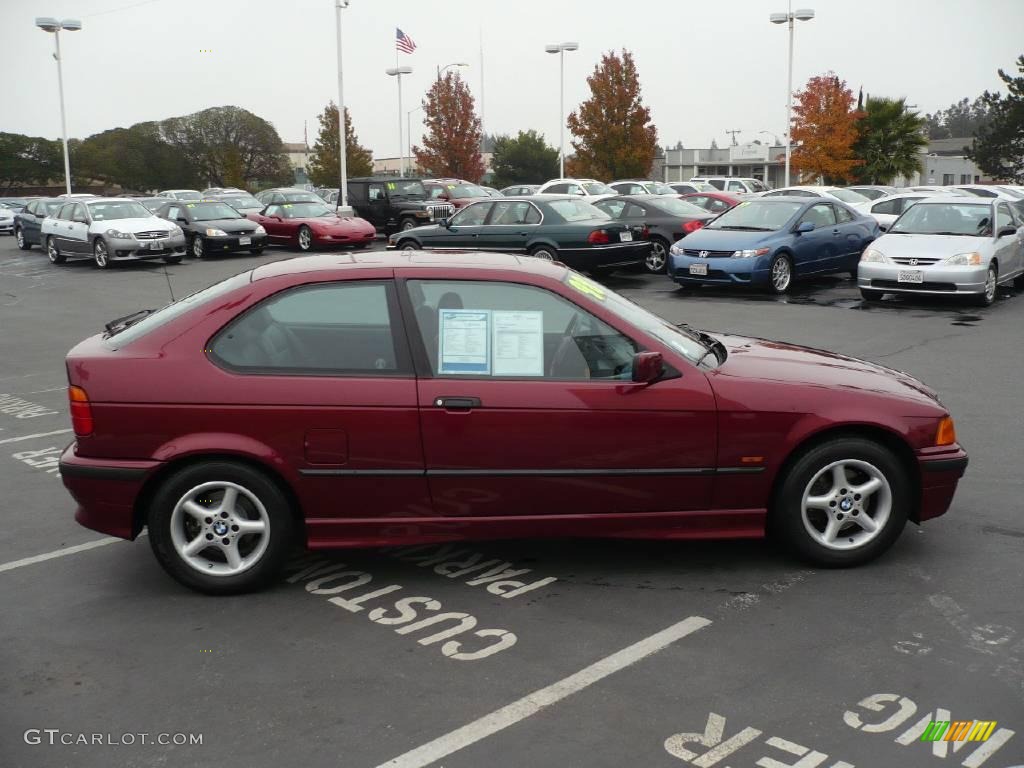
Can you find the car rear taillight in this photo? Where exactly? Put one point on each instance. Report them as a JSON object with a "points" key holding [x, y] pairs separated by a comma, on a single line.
{"points": [[598, 237], [692, 226], [645, 233], [81, 411]]}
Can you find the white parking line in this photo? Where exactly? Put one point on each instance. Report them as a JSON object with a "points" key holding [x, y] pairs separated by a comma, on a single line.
{"points": [[57, 553], [534, 702], [32, 437]]}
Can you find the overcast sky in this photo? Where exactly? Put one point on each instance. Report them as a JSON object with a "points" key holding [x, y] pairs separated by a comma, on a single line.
{"points": [[705, 66]]}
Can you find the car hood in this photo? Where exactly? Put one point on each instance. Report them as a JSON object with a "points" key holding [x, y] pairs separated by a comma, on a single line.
{"points": [[775, 361], [723, 239], [148, 224], [338, 222], [227, 225], [931, 246]]}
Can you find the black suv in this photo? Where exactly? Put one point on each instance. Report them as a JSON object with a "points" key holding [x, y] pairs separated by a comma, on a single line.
{"points": [[393, 204]]}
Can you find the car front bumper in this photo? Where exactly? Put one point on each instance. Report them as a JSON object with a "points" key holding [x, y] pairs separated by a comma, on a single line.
{"points": [[941, 469], [105, 490], [122, 249], [721, 271], [336, 238], [605, 256], [222, 244], [938, 278], [7, 225]]}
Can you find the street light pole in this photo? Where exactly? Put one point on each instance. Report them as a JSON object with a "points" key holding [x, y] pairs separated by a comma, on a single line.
{"points": [[50, 24], [560, 49], [408, 131], [801, 14], [398, 72], [343, 208]]}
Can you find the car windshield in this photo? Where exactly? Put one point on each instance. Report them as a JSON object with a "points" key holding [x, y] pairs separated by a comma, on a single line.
{"points": [[52, 206], [118, 209], [465, 190], [410, 189], [577, 210], [657, 188], [302, 197], [154, 202], [848, 196], [597, 188], [188, 195], [967, 219], [682, 340], [757, 215], [243, 202], [211, 211], [305, 210], [677, 207]]}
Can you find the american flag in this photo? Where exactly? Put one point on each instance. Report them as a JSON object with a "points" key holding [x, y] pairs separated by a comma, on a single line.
{"points": [[403, 42]]}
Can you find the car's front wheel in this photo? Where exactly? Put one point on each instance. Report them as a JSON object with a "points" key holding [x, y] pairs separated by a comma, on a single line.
{"points": [[305, 238], [256, 251], [53, 252], [408, 245], [408, 224], [780, 274], [22, 242], [100, 253], [220, 527], [988, 294], [843, 502], [197, 247]]}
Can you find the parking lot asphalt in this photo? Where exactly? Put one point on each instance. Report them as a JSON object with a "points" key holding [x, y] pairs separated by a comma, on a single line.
{"points": [[726, 654]]}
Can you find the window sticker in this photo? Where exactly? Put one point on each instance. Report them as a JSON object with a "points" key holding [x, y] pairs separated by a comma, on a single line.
{"points": [[583, 285], [518, 343], [392, 185], [190, 205], [464, 341]]}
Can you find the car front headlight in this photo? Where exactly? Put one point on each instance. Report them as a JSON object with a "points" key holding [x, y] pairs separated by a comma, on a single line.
{"points": [[259, 230], [174, 231], [212, 232], [750, 253], [676, 249], [119, 235], [874, 256], [422, 214], [971, 259]]}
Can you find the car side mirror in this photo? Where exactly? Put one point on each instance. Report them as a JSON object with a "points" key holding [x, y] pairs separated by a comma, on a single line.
{"points": [[1020, 233], [647, 367], [1007, 231], [805, 226], [182, 219]]}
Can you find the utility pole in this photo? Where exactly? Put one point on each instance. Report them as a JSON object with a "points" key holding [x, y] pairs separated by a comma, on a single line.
{"points": [[733, 134]]}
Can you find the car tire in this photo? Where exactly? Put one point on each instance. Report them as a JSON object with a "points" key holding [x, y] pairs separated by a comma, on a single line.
{"points": [[53, 253], [407, 245], [988, 296], [1018, 282], [406, 224], [248, 561], [256, 251], [173, 259], [869, 294], [780, 274], [544, 252], [22, 242], [196, 247], [817, 511], [305, 239], [657, 260], [100, 253]]}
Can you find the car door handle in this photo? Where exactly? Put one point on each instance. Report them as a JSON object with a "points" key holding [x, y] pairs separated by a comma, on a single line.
{"points": [[457, 403], [836, 232]]}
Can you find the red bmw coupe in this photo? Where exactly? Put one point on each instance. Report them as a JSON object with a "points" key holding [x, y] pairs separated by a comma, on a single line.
{"points": [[312, 225], [400, 398]]}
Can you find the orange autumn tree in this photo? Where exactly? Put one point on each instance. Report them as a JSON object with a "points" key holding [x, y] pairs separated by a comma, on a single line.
{"points": [[825, 129], [451, 147], [615, 138]]}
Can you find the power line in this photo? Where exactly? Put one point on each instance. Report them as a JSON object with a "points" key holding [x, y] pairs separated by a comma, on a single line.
{"points": [[122, 8]]}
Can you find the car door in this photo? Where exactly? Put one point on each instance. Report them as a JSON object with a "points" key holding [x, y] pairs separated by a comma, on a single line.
{"points": [[272, 220], [1008, 246], [509, 225], [527, 407], [816, 249], [852, 239], [30, 220], [377, 203], [78, 230], [322, 372], [464, 228], [60, 227]]}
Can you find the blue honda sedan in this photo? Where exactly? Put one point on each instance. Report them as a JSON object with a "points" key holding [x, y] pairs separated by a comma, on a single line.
{"points": [[770, 242]]}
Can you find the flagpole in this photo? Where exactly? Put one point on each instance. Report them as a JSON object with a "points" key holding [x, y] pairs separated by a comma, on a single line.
{"points": [[483, 142]]}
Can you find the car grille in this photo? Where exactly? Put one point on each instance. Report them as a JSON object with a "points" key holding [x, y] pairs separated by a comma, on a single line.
{"points": [[441, 211], [699, 254], [922, 261], [151, 235], [926, 286]]}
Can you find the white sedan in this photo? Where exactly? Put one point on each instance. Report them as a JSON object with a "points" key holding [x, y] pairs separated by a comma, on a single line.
{"points": [[109, 230], [848, 196], [887, 209], [946, 245]]}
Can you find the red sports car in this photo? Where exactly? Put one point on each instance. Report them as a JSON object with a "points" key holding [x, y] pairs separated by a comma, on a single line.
{"points": [[400, 398], [312, 225], [713, 202]]}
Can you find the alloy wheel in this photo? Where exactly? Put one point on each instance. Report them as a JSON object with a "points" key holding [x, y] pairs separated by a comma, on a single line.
{"points": [[305, 239], [20, 237], [990, 285], [51, 251], [846, 504], [655, 261], [99, 252], [543, 254], [197, 247], [781, 274]]}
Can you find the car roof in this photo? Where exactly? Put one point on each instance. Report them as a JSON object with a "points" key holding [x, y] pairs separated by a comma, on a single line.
{"points": [[387, 178], [954, 200]]}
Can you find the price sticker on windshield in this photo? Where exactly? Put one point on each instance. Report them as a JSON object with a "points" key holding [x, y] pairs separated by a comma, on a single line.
{"points": [[391, 185], [190, 205], [287, 205], [588, 287]]}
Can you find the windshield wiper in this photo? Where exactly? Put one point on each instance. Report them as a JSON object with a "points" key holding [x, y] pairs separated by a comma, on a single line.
{"points": [[746, 229], [115, 326]]}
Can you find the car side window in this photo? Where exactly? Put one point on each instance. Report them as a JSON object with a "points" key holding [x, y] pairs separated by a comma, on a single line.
{"points": [[340, 329], [820, 215], [65, 212], [375, 192], [634, 212], [612, 207], [558, 189], [78, 214], [1004, 218], [511, 212], [492, 329], [575, 189], [717, 183], [273, 210], [735, 186], [717, 206], [471, 215], [31, 208], [173, 212], [887, 207], [843, 216]]}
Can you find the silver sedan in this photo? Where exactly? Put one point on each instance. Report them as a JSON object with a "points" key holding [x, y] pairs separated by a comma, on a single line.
{"points": [[946, 246]]}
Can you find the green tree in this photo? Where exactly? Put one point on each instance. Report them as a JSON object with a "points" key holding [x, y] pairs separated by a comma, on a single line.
{"points": [[135, 158], [614, 135], [889, 141], [960, 120], [29, 160], [999, 145], [325, 163], [451, 146], [525, 159]]}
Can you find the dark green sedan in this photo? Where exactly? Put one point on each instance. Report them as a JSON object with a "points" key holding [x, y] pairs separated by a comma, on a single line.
{"points": [[553, 227]]}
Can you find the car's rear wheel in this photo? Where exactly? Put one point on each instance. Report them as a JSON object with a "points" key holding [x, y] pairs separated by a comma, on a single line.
{"points": [[843, 503], [220, 527], [53, 252], [658, 257], [305, 238], [22, 242], [780, 274], [197, 247], [869, 294], [988, 294], [544, 252], [407, 224], [100, 253]]}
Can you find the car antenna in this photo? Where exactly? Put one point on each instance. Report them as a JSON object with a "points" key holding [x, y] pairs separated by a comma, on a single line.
{"points": [[169, 289]]}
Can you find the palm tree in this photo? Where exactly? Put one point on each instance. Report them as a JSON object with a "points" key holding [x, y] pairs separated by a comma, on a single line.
{"points": [[890, 141]]}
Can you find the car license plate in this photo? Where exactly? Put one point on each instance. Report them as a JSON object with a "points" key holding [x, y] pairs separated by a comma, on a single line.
{"points": [[626, 237], [910, 276], [244, 240], [698, 269], [156, 246]]}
